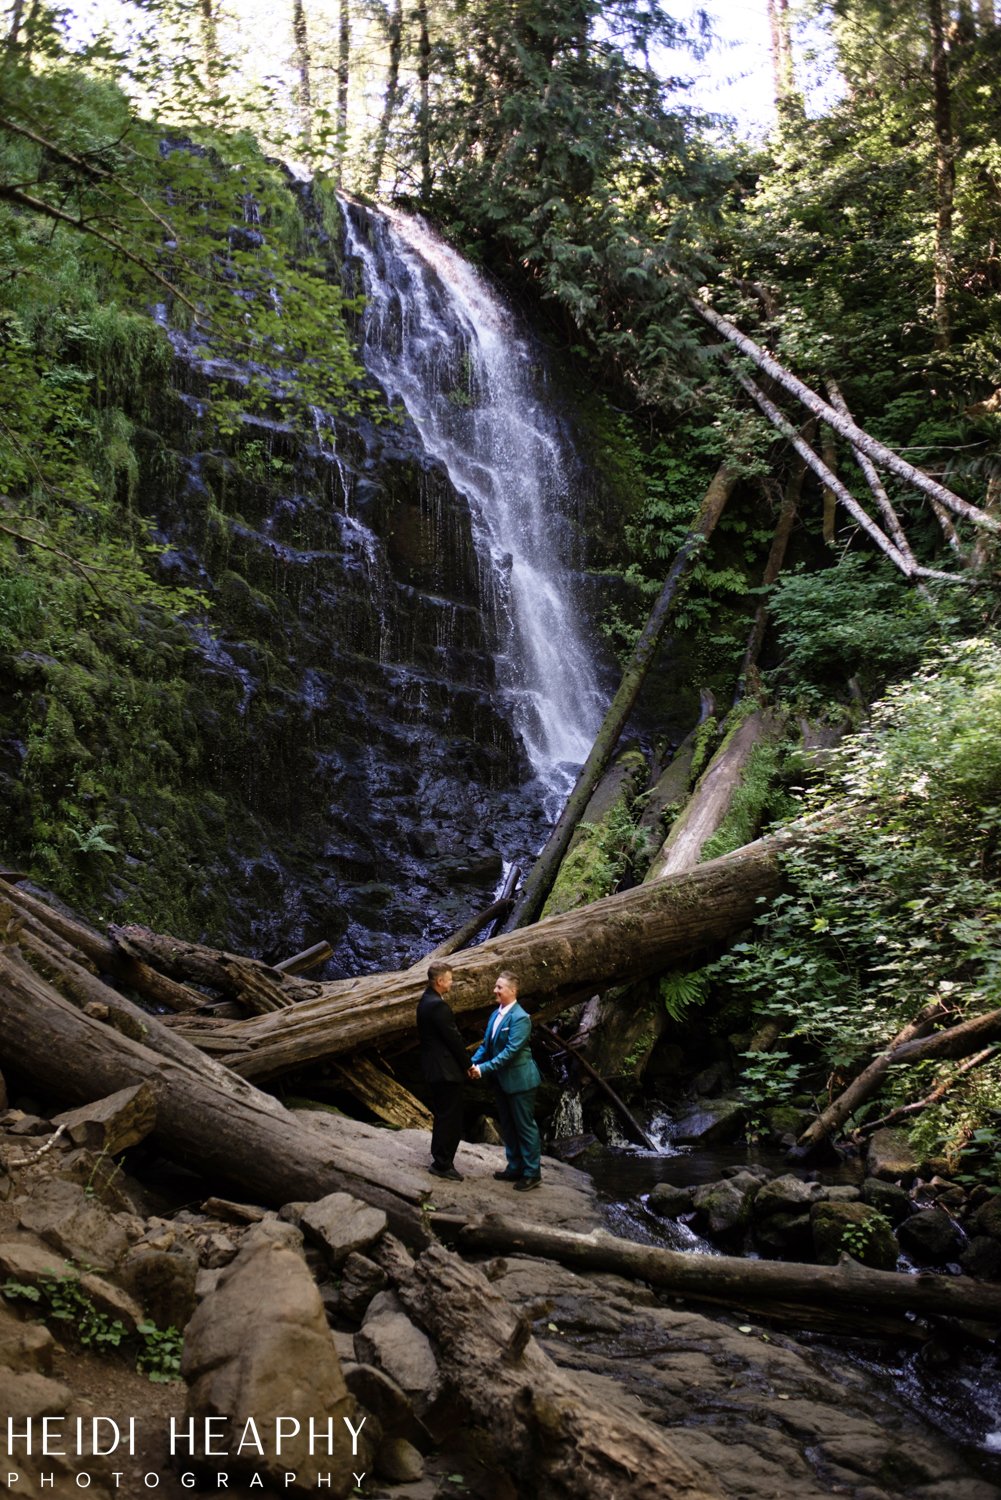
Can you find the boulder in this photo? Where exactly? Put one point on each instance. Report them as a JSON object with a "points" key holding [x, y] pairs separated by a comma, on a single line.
{"points": [[668, 1201], [162, 1282], [379, 1394], [388, 1339], [889, 1198], [342, 1225], [787, 1195], [113, 1124], [930, 1237], [399, 1461], [65, 1215], [258, 1347], [361, 1280], [854, 1229], [890, 1157], [711, 1121], [788, 1236], [724, 1208], [982, 1258], [986, 1219]]}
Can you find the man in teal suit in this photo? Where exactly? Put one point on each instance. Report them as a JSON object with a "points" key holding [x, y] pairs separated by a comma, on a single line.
{"points": [[505, 1057]]}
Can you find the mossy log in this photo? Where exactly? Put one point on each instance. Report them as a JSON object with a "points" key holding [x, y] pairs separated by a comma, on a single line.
{"points": [[703, 814], [732, 1279]]}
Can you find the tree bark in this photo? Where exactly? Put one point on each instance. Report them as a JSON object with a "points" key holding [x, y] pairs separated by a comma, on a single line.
{"points": [[303, 68], [254, 984], [859, 439], [343, 84], [773, 567], [730, 1278], [534, 1422], [424, 97], [945, 170], [543, 873]]}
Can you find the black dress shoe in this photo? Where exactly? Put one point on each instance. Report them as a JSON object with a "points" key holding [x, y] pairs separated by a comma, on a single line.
{"points": [[525, 1183], [449, 1173], [506, 1176]]}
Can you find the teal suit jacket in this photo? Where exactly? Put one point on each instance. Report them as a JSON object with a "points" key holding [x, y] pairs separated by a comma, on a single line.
{"points": [[506, 1057]]}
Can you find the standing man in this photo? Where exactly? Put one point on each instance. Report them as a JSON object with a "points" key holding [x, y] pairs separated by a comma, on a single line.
{"points": [[506, 1058], [445, 1067]]}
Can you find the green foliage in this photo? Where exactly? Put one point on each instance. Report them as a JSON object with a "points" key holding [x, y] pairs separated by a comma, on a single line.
{"points": [[159, 1357], [857, 620], [682, 989], [891, 901], [64, 1300], [598, 859]]}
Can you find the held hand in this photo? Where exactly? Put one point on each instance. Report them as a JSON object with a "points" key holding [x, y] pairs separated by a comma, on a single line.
{"points": [[474, 1071]]}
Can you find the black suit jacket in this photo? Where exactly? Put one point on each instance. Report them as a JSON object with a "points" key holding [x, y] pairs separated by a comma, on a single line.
{"points": [[443, 1055]]}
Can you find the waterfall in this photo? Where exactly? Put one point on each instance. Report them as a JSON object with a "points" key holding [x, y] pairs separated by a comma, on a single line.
{"points": [[439, 339]]}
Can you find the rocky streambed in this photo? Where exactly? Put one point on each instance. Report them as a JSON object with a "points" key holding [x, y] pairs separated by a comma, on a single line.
{"points": [[313, 1310]]}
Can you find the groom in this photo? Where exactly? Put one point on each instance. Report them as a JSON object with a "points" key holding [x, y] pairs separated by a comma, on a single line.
{"points": [[505, 1057]]}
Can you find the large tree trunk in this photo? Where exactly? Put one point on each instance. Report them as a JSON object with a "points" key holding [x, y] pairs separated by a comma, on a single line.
{"points": [[548, 1438], [207, 1118], [945, 169], [543, 872], [731, 1279], [621, 937], [390, 96], [343, 82], [302, 66], [424, 97]]}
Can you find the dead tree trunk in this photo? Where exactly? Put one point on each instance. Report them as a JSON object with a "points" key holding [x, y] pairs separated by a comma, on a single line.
{"points": [[730, 1278], [535, 1423], [868, 1081], [773, 567], [543, 873], [206, 1117], [621, 937], [705, 810], [859, 439]]}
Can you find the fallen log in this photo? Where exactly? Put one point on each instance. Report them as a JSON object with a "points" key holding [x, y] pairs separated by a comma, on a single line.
{"points": [[256, 985], [729, 1278], [299, 963], [621, 937], [206, 1117], [88, 946], [866, 1083], [489, 916], [383, 1096], [706, 808], [773, 567], [542, 874], [917, 1106], [858, 438], [536, 1426]]}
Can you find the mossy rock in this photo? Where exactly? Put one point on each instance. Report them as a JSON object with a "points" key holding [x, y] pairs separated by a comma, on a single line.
{"points": [[854, 1229]]}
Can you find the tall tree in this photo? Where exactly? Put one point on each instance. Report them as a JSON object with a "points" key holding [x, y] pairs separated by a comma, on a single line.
{"points": [[945, 168], [391, 93], [303, 67]]}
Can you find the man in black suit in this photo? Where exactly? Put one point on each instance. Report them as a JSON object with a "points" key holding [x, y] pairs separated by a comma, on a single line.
{"points": [[445, 1065]]}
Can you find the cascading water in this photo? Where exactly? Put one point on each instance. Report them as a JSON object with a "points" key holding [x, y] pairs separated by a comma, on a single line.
{"points": [[439, 339]]}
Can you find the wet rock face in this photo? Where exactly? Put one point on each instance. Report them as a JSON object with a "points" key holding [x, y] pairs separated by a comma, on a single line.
{"points": [[343, 696]]}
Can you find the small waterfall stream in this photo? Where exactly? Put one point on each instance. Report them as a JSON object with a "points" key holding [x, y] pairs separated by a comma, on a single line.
{"points": [[440, 340]]}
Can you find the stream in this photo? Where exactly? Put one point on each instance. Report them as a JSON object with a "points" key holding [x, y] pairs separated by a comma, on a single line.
{"points": [[953, 1384]]}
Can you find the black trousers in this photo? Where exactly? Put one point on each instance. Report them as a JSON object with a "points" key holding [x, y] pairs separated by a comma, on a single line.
{"points": [[446, 1106]]}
